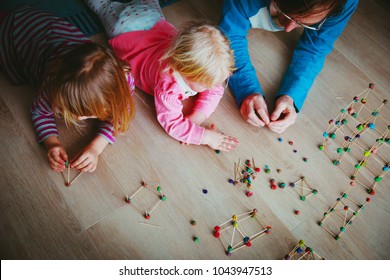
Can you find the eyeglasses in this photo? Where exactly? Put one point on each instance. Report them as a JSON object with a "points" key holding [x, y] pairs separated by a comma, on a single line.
{"points": [[300, 23]]}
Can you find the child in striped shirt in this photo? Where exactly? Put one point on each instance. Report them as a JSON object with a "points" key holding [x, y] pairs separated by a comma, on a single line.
{"points": [[76, 80], [172, 66]]}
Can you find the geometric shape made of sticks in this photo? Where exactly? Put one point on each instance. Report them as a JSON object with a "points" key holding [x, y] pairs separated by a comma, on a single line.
{"points": [[359, 136], [161, 197], [341, 214], [235, 225], [303, 252], [67, 179], [303, 188]]}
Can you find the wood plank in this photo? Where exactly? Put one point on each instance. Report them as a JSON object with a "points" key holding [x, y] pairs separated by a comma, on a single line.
{"points": [[36, 220]]}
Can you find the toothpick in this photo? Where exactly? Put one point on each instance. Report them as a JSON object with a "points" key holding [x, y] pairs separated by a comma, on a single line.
{"points": [[68, 174], [152, 225], [150, 212], [75, 178]]}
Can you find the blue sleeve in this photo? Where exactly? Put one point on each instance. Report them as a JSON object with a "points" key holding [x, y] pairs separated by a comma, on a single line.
{"points": [[310, 53], [235, 23]]}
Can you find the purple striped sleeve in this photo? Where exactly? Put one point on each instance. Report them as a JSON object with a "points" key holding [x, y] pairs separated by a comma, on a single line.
{"points": [[43, 119], [106, 130]]}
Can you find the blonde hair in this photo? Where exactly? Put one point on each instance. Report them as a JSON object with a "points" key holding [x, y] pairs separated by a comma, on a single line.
{"points": [[90, 80], [201, 53]]}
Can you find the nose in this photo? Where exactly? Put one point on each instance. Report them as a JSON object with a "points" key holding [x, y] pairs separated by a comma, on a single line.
{"points": [[290, 26]]}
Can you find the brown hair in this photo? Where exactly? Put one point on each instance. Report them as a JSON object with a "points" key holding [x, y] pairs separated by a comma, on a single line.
{"points": [[90, 80], [201, 53], [304, 8]]}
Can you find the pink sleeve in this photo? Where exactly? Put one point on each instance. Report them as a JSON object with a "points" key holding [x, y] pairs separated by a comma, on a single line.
{"points": [[208, 100], [170, 116]]}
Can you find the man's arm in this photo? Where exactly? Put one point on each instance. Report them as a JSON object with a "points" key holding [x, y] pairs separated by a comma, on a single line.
{"points": [[235, 24], [310, 53]]}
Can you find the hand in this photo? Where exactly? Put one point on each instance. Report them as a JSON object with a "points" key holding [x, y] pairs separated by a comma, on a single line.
{"points": [[87, 159], [219, 141], [254, 110], [56, 154], [284, 114]]}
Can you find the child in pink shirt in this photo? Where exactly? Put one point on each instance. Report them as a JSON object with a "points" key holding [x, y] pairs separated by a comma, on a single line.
{"points": [[172, 66]]}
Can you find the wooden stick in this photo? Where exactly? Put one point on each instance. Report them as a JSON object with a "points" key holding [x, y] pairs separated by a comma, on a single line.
{"points": [[152, 225], [357, 203], [303, 255], [329, 231], [234, 230], [68, 174], [235, 172], [136, 192], [257, 235], [242, 245], [63, 176], [222, 230], [225, 222], [152, 190], [321, 258], [150, 212], [303, 188], [242, 232], [246, 213], [78, 175]]}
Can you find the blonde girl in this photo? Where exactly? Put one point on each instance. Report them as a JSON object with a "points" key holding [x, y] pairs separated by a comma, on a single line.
{"points": [[172, 66]]}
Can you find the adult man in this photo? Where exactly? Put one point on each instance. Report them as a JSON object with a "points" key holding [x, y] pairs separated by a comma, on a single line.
{"points": [[322, 20]]}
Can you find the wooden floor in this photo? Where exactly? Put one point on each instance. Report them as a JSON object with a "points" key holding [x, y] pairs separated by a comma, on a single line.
{"points": [[40, 218]]}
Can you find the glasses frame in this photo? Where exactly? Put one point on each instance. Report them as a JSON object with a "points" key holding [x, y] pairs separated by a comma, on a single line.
{"points": [[300, 23]]}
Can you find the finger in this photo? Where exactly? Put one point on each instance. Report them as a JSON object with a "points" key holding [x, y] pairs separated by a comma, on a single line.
{"points": [[63, 156], [94, 166], [55, 166], [227, 147], [87, 168], [277, 130], [57, 157], [78, 159], [55, 169], [279, 126], [249, 115], [55, 163], [229, 143], [80, 162], [253, 119], [263, 113], [276, 116]]}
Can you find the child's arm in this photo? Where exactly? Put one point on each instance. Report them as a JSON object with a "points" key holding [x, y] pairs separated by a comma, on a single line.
{"points": [[87, 159], [187, 129], [46, 132], [205, 105], [208, 100], [197, 117]]}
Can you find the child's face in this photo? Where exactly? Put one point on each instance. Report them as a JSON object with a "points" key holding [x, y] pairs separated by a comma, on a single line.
{"points": [[198, 87]]}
